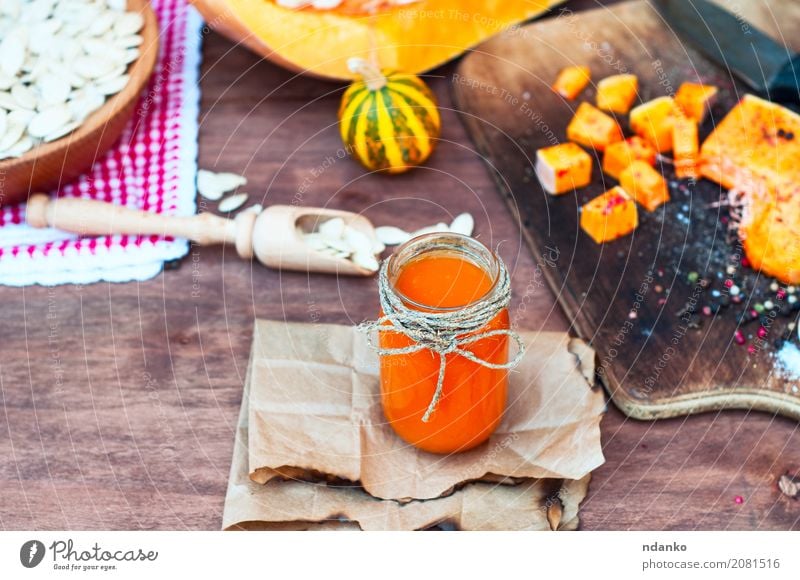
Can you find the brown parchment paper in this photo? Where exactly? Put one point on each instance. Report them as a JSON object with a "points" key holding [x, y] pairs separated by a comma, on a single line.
{"points": [[300, 505], [315, 412]]}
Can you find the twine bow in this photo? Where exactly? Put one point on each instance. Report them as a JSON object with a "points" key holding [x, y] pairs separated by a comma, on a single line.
{"points": [[442, 332]]}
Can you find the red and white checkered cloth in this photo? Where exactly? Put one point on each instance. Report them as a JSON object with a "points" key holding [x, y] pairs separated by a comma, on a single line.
{"points": [[153, 167]]}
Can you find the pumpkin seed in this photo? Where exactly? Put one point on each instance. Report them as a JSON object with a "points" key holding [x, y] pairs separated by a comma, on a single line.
{"points": [[24, 97], [3, 122], [232, 202], [131, 41], [6, 81], [392, 236], [12, 135], [113, 85], [21, 117], [54, 90], [61, 131], [128, 24], [463, 224], [358, 241], [213, 186], [12, 53], [20, 147], [49, 121], [367, 260], [332, 228], [441, 227]]}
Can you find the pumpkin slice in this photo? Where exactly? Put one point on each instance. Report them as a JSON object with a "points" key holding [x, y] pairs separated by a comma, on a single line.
{"points": [[571, 81], [563, 167], [618, 156], [685, 147], [653, 120], [411, 37], [645, 184], [695, 99], [754, 150], [617, 93], [592, 128], [609, 216]]}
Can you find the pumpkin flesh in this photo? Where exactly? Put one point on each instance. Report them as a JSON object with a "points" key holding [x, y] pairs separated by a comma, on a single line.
{"points": [[414, 37]]}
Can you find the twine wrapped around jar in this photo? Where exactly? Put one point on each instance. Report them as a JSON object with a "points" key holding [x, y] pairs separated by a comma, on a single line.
{"points": [[442, 332]]}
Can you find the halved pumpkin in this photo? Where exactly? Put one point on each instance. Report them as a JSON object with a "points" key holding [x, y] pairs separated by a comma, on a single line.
{"points": [[412, 37]]}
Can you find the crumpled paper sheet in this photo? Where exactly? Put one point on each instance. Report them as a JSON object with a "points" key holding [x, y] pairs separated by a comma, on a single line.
{"points": [[300, 505], [315, 414]]}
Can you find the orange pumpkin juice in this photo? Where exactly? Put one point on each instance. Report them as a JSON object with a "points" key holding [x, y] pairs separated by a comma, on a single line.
{"points": [[473, 396]]}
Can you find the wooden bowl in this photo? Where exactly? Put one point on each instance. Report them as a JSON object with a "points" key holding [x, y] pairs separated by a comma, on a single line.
{"points": [[50, 165]]}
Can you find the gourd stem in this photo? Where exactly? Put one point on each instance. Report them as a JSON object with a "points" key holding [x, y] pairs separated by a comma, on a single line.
{"points": [[370, 73]]}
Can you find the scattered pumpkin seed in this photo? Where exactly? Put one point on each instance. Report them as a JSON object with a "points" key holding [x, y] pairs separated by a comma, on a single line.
{"points": [[232, 203]]}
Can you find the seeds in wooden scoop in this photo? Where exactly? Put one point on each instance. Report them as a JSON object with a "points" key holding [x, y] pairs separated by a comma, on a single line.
{"points": [[335, 238], [72, 53]]}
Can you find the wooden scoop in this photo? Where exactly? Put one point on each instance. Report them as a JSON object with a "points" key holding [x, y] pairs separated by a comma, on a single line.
{"points": [[274, 236]]}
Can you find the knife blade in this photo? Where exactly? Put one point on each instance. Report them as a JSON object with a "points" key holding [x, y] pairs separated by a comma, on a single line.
{"points": [[766, 66]]}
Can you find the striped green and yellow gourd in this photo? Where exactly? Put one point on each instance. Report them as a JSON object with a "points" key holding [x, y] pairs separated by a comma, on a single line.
{"points": [[388, 120]]}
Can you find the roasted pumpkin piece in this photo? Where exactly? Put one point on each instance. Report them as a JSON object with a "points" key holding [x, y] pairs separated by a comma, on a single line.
{"points": [[563, 167], [653, 120], [609, 216], [695, 99], [617, 93], [685, 147], [592, 128], [571, 81], [754, 151], [618, 156], [645, 184]]}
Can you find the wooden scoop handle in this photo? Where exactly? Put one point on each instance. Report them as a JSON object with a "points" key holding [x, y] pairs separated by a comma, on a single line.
{"points": [[98, 218]]}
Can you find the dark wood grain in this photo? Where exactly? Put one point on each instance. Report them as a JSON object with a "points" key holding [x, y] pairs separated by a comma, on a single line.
{"points": [[628, 297], [120, 400]]}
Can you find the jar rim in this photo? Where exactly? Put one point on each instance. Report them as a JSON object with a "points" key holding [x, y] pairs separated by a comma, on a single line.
{"points": [[466, 246]]}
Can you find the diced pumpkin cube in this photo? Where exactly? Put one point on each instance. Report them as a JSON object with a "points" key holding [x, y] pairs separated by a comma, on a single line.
{"points": [[653, 120], [685, 147], [563, 167], [618, 156], [571, 81], [694, 99], [617, 93], [645, 184], [609, 216], [592, 128]]}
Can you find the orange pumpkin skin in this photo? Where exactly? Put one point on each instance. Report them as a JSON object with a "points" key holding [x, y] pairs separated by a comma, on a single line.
{"points": [[413, 37]]}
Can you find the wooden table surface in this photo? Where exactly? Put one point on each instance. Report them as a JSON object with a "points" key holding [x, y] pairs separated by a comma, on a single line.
{"points": [[120, 400]]}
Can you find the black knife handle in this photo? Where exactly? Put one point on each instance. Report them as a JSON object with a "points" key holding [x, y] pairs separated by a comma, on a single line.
{"points": [[785, 86]]}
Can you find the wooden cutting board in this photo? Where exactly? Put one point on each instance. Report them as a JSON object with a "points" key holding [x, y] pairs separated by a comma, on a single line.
{"points": [[660, 353]]}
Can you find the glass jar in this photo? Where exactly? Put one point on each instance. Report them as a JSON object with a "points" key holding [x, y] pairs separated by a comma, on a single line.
{"points": [[445, 272]]}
